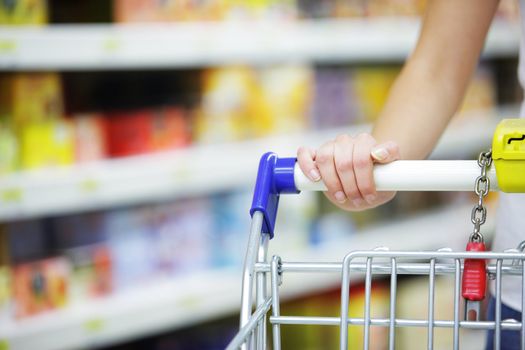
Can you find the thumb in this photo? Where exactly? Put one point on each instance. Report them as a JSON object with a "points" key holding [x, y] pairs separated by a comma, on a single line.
{"points": [[385, 152]]}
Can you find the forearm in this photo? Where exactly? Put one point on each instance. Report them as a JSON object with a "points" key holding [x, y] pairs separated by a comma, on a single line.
{"points": [[418, 110], [432, 84]]}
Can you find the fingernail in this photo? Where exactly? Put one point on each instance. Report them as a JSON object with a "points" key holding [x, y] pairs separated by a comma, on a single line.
{"points": [[370, 198], [314, 175], [340, 197], [380, 153]]}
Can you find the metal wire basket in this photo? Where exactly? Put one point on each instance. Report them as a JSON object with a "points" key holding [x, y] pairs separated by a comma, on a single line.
{"points": [[262, 278]]}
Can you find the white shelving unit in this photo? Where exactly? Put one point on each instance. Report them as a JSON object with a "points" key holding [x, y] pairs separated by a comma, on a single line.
{"points": [[195, 171], [204, 44], [172, 304], [168, 305]]}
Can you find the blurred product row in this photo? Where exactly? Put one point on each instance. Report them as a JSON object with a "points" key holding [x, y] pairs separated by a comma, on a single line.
{"points": [[411, 303], [54, 262], [50, 263], [48, 119], [132, 11]]}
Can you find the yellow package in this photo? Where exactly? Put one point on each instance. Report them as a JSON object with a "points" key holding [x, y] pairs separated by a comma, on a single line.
{"points": [[227, 96], [45, 144], [370, 86], [480, 94], [286, 98], [22, 12], [31, 97], [5, 292], [5, 277], [8, 148]]}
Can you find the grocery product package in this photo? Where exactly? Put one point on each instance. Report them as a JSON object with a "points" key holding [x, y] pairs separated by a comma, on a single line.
{"points": [[23, 12], [40, 286], [183, 232]]}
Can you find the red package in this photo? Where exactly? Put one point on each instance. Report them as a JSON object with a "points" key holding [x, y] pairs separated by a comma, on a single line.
{"points": [[169, 129], [129, 133]]}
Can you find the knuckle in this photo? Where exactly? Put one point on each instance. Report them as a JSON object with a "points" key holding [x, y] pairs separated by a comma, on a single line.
{"points": [[344, 164], [364, 136], [361, 162], [323, 158]]}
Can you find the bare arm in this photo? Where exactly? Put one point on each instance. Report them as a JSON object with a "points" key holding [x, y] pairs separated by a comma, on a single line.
{"points": [[425, 96], [432, 83]]}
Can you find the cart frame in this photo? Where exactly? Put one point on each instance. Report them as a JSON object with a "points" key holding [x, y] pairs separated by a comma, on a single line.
{"points": [[277, 176]]}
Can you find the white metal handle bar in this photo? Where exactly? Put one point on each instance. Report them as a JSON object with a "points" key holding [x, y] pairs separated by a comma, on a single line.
{"points": [[416, 175]]}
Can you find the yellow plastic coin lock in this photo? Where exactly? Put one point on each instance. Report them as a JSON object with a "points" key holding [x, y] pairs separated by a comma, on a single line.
{"points": [[508, 154]]}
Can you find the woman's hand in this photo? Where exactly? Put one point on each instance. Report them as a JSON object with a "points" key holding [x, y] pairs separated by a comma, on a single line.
{"points": [[346, 167]]}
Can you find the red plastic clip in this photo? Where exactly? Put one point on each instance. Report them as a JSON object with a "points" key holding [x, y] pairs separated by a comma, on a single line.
{"points": [[474, 283]]}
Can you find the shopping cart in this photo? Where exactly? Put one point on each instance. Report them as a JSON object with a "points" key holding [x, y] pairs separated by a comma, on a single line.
{"points": [[469, 269]]}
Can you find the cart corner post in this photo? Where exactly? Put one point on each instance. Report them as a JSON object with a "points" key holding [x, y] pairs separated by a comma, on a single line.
{"points": [[274, 177]]}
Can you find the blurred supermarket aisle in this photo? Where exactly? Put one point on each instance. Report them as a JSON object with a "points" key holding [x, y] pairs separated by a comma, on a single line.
{"points": [[129, 135]]}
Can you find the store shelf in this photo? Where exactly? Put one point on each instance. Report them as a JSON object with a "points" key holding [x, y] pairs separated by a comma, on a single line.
{"points": [[87, 47], [195, 171], [207, 295]]}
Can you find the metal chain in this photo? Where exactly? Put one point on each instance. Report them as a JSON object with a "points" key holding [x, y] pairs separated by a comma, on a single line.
{"points": [[482, 188]]}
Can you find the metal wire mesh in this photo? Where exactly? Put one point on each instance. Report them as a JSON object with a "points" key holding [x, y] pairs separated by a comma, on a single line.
{"points": [[382, 262]]}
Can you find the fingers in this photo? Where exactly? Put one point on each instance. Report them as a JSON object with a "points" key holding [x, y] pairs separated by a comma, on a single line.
{"points": [[343, 150], [306, 160], [386, 152], [346, 167], [363, 167], [325, 163]]}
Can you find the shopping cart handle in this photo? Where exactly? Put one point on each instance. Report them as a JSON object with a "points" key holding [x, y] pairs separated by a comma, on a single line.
{"points": [[278, 176], [415, 175]]}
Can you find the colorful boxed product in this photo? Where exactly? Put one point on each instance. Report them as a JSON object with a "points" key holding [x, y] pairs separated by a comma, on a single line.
{"points": [[286, 97], [136, 10], [31, 106], [46, 144], [333, 104], [170, 129], [480, 94], [81, 237], [27, 98], [230, 228], [349, 8], [92, 272], [5, 293], [40, 286], [129, 133], [228, 105], [167, 11], [371, 86], [8, 148], [16, 12], [90, 137], [316, 8], [183, 232], [5, 277], [130, 240], [260, 9], [332, 8]]}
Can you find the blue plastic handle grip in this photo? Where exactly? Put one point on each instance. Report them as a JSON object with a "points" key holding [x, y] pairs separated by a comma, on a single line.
{"points": [[274, 177]]}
